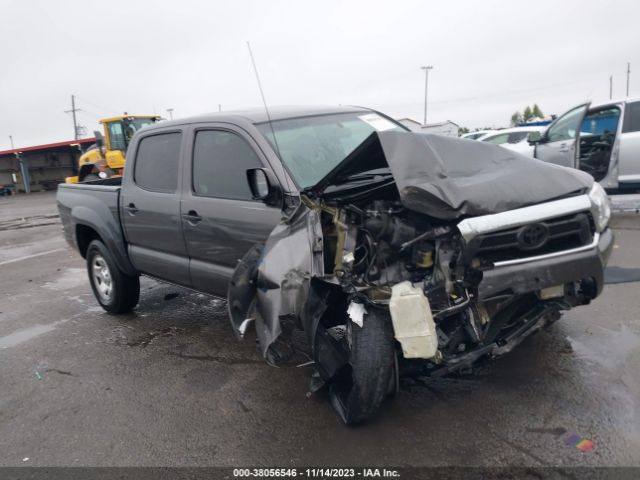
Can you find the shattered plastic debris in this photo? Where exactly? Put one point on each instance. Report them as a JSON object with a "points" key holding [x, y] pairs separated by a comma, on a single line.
{"points": [[582, 444], [38, 375], [356, 312]]}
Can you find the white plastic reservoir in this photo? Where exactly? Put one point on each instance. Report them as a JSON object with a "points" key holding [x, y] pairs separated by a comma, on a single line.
{"points": [[412, 321]]}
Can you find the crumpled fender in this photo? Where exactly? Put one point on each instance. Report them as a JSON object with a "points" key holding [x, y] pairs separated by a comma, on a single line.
{"points": [[277, 280]]}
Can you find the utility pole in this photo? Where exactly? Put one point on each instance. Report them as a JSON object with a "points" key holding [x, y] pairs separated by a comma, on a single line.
{"points": [[73, 113], [219, 107], [610, 87], [426, 69], [628, 75], [170, 111], [11, 140]]}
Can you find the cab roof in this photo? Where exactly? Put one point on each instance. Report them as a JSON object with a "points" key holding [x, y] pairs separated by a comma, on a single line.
{"points": [[614, 101], [258, 115]]}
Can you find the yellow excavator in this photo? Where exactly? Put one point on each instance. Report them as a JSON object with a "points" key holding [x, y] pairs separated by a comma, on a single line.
{"points": [[106, 158]]}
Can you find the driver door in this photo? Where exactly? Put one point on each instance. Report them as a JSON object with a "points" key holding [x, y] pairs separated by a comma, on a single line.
{"points": [[560, 144]]}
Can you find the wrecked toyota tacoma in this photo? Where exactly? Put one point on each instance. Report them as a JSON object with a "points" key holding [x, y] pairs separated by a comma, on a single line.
{"points": [[394, 253]]}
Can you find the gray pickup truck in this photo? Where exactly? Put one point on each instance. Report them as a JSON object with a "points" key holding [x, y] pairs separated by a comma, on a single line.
{"points": [[396, 253]]}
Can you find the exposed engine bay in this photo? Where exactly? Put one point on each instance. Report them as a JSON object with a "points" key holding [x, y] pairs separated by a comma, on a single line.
{"points": [[416, 273]]}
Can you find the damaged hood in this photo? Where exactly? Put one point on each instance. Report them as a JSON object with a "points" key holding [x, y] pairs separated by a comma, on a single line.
{"points": [[448, 177]]}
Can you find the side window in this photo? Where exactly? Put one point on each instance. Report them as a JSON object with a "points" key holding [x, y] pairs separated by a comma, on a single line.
{"points": [[497, 139], [116, 136], [157, 160], [220, 163], [566, 126], [517, 137], [631, 118]]}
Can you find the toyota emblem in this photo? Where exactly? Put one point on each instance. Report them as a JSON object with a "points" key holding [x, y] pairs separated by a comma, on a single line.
{"points": [[532, 236]]}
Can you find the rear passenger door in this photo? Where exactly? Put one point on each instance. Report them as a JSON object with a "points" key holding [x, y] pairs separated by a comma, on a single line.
{"points": [[629, 153], [150, 207], [221, 221]]}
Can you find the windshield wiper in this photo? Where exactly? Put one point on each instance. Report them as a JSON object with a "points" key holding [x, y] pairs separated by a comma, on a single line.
{"points": [[364, 176]]}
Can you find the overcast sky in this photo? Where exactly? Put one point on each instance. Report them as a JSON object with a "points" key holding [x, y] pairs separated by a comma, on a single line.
{"points": [[490, 58]]}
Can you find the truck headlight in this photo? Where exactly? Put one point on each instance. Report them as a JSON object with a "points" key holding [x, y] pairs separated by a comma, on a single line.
{"points": [[600, 207]]}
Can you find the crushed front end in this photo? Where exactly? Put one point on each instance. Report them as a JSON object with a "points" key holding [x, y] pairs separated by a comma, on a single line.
{"points": [[382, 290], [453, 292]]}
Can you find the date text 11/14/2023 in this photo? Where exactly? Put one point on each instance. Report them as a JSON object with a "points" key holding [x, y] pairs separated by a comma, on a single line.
{"points": [[316, 472]]}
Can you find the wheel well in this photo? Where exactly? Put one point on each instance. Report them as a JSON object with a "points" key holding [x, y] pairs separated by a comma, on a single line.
{"points": [[84, 236]]}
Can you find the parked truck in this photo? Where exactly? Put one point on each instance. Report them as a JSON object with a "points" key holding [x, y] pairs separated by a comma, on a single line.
{"points": [[396, 253], [106, 158]]}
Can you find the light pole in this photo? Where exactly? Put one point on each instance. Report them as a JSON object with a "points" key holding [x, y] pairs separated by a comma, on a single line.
{"points": [[170, 110], [426, 69], [628, 75], [610, 87]]}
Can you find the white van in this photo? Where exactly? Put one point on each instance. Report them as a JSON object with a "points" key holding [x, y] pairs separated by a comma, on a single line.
{"points": [[608, 146]]}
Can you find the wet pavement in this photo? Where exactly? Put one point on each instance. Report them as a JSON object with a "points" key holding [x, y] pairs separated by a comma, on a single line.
{"points": [[170, 385]]}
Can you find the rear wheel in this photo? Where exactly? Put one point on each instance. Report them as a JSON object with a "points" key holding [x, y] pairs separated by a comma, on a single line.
{"points": [[361, 387], [115, 291]]}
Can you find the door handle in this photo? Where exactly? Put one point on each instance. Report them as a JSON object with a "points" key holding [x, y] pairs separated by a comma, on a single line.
{"points": [[563, 148], [192, 217], [131, 208]]}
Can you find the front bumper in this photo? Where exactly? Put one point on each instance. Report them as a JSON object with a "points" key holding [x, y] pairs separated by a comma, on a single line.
{"points": [[548, 272]]}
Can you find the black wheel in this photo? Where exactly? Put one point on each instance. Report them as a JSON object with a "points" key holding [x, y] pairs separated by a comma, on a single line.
{"points": [[115, 291], [370, 377]]}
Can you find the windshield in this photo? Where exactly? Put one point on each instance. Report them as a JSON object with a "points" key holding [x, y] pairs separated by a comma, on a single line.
{"points": [[312, 146]]}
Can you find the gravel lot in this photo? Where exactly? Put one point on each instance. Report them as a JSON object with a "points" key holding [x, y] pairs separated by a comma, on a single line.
{"points": [[170, 385]]}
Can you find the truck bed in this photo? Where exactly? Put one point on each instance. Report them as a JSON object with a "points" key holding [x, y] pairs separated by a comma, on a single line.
{"points": [[91, 211]]}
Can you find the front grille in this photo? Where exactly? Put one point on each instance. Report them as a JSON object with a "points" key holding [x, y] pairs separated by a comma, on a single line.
{"points": [[557, 234]]}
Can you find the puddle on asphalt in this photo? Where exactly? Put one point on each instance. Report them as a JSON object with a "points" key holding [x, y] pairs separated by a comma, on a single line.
{"points": [[21, 336], [69, 279], [612, 357], [610, 349], [621, 275]]}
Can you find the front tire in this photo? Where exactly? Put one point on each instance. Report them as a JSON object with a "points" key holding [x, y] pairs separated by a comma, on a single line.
{"points": [[370, 377], [115, 291]]}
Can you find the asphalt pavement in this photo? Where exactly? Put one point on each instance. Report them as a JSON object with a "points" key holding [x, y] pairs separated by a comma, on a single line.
{"points": [[169, 385]]}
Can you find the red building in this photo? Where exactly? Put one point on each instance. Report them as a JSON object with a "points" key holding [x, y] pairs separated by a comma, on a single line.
{"points": [[42, 166]]}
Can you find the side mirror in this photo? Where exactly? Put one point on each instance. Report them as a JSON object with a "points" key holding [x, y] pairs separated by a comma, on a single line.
{"points": [[99, 139], [534, 138], [264, 186]]}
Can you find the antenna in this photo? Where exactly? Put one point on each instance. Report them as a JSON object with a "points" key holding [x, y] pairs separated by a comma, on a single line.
{"points": [[264, 101], [273, 132]]}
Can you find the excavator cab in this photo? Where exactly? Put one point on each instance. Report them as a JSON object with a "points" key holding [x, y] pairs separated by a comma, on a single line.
{"points": [[106, 158]]}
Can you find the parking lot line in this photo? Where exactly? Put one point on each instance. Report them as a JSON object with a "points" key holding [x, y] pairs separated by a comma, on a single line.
{"points": [[27, 257]]}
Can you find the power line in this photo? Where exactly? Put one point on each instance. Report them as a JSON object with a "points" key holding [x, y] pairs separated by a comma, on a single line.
{"points": [[109, 111]]}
